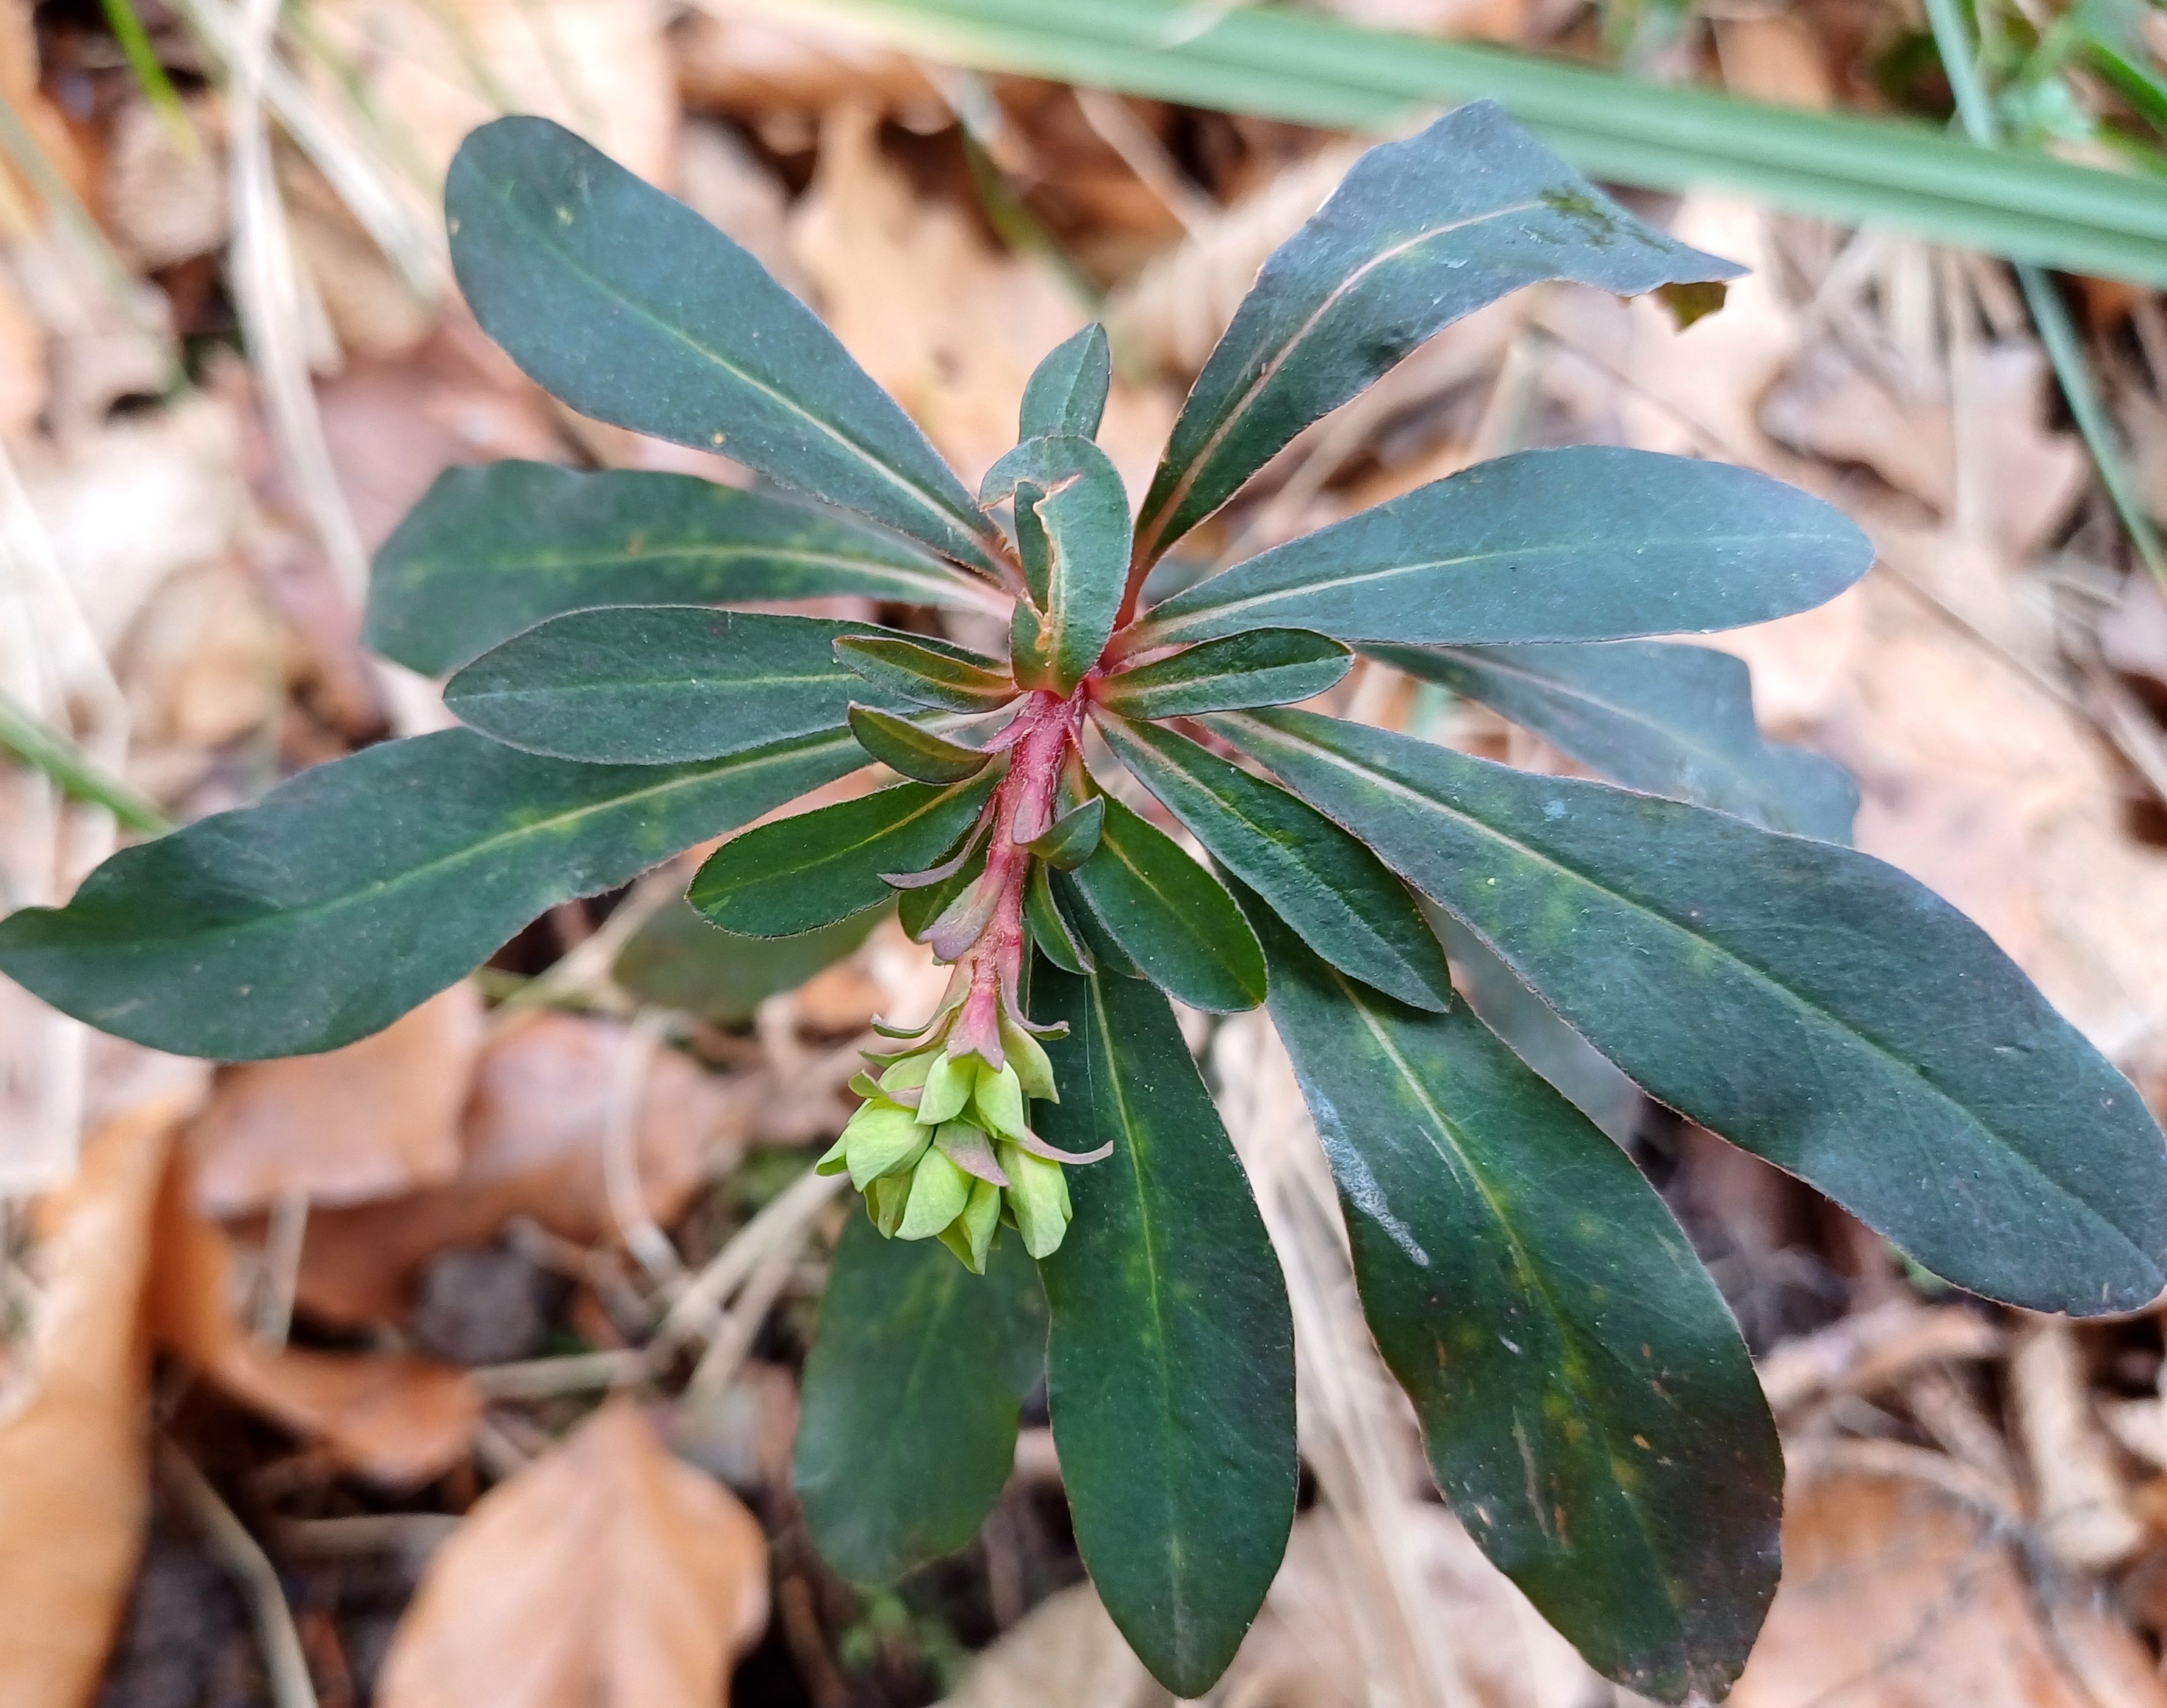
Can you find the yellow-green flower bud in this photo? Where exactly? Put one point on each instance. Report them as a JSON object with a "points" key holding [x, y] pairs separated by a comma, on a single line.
{"points": [[970, 1236], [996, 1097], [907, 1072], [947, 1090], [939, 1191], [1027, 1056], [1037, 1197], [882, 1138], [886, 1200]]}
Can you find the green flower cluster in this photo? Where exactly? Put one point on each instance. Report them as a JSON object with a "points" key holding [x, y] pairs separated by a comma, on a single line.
{"points": [[940, 1149]]}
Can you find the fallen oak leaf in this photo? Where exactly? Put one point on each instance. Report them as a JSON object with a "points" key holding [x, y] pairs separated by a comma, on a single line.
{"points": [[533, 1146], [378, 1118], [73, 1451], [606, 1573]]}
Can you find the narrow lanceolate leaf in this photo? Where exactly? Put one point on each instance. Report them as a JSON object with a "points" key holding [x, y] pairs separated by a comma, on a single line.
{"points": [[911, 750], [354, 891], [1057, 940], [926, 672], [912, 1392], [1416, 236], [1171, 918], [1069, 490], [1793, 995], [490, 551], [1588, 1407], [813, 868], [1260, 667], [1323, 882], [1587, 543], [659, 684], [632, 309], [1074, 837], [1673, 720], [1066, 393], [1171, 1362]]}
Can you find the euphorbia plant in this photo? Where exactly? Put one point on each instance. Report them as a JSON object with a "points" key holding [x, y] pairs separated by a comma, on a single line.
{"points": [[1588, 1407]]}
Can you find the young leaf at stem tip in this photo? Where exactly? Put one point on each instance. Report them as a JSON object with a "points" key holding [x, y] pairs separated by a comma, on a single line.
{"points": [[1072, 530], [1067, 391]]}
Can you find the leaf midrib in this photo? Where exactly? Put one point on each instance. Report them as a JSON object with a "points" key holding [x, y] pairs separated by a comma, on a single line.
{"points": [[1270, 371], [545, 237], [1165, 629], [1163, 1365], [880, 568], [1729, 762], [1539, 1281], [1761, 975], [286, 916]]}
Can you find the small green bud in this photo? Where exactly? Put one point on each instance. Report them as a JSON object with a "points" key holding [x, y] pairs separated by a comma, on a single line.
{"points": [[997, 1097], [1027, 1056], [907, 1072], [939, 1191], [832, 1162], [882, 1138], [947, 1090], [1038, 1199], [970, 1236], [886, 1200]]}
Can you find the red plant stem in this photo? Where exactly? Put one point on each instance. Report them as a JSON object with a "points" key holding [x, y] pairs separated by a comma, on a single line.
{"points": [[1025, 799]]}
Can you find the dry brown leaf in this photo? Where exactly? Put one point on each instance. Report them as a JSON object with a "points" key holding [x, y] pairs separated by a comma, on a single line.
{"points": [[605, 1575], [23, 376], [948, 324], [394, 1419], [2084, 1517], [72, 1447], [533, 1146], [166, 203], [1772, 56], [2133, 636], [378, 1118], [759, 67], [435, 71], [1894, 1595]]}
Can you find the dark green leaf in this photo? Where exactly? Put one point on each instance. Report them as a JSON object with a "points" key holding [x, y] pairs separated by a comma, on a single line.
{"points": [[1071, 490], [659, 684], [1803, 1000], [911, 750], [1171, 917], [813, 868], [1587, 1404], [678, 960], [916, 909], [1066, 393], [1587, 543], [354, 891], [1171, 1362], [1261, 667], [491, 551], [927, 673], [1323, 882], [1416, 236], [911, 1397], [1050, 928], [1673, 720], [632, 309], [1097, 943], [1582, 1074], [1074, 837]]}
